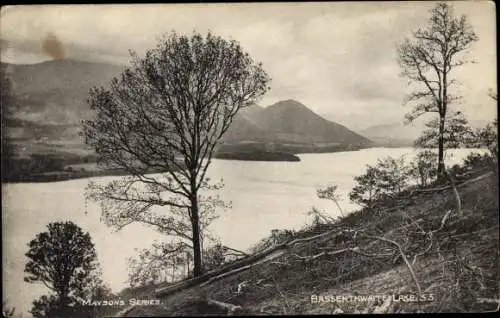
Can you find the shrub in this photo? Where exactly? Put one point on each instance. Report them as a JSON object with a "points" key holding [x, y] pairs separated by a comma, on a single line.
{"points": [[424, 167], [367, 190], [486, 137], [384, 180], [330, 193], [214, 256], [319, 218], [475, 161], [163, 261], [393, 175]]}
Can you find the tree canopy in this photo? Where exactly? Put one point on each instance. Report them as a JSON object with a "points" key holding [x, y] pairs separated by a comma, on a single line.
{"points": [[167, 113], [64, 260]]}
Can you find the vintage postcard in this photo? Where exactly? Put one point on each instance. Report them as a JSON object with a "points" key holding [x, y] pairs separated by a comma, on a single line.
{"points": [[249, 159]]}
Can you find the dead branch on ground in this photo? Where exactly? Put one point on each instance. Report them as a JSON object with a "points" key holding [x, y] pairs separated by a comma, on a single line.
{"points": [[230, 308], [455, 192], [403, 256]]}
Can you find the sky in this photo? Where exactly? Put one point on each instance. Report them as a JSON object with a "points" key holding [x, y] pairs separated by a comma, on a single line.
{"points": [[337, 58]]}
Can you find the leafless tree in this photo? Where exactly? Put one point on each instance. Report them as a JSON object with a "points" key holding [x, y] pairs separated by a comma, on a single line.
{"points": [[428, 60], [167, 113]]}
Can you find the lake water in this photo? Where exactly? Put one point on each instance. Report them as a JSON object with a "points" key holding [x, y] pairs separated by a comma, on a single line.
{"points": [[264, 196]]}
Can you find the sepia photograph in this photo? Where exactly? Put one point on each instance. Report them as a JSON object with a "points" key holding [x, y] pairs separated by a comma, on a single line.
{"points": [[292, 158]]}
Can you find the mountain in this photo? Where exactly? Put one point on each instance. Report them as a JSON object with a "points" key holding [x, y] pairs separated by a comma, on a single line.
{"points": [[251, 113], [292, 121], [243, 129], [289, 122], [55, 92], [400, 135], [51, 103], [394, 134]]}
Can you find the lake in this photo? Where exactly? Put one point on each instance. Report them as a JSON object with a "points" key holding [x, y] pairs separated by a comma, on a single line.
{"points": [[264, 196]]}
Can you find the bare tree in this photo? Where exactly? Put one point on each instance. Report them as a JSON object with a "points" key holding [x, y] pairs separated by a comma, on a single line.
{"points": [[428, 61], [167, 113]]}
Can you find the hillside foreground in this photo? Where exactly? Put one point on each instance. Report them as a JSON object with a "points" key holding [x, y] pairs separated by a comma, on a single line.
{"points": [[451, 260]]}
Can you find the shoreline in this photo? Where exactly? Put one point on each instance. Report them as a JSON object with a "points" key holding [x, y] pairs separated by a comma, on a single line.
{"points": [[65, 175]]}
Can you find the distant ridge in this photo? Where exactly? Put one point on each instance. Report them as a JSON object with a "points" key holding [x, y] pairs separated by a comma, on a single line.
{"points": [[54, 94]]}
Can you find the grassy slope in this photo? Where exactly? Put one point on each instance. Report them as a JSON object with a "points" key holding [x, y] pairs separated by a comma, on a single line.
{"points": [[459, 268]]}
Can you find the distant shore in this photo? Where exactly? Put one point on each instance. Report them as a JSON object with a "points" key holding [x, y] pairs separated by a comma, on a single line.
{"points": [[258, 156], [90, 169], [63, 175]]}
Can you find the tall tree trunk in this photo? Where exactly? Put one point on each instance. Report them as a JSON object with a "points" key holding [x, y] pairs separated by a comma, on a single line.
{"points": [[441, 169], [63, 309], [195, 222], [441, 173]]}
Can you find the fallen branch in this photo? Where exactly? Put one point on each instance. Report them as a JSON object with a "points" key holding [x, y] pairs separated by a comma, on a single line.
{"points": [[403, 255], [241, 285], [313, 257], [449, 186], [124, 312], [455, 192], [235, 250], [443, 222], [230, 308], [276, 251], [415, 222], [331, 253], [307, 239], [269, 257], [422, 253], [431, 236], [475, 232]]}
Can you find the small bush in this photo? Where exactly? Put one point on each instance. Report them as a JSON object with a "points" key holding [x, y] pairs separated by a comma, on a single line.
{"points": [[424, 167], [488, 137], [384, 180], [475, 161], [214, 257]]}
